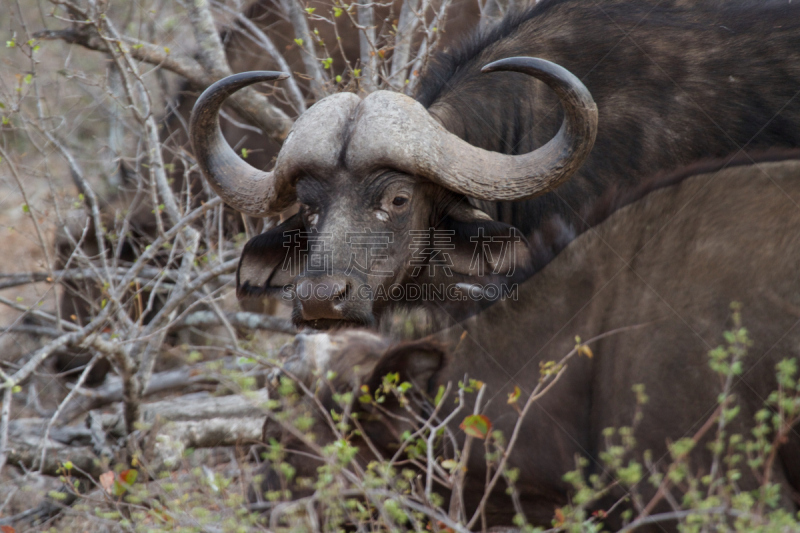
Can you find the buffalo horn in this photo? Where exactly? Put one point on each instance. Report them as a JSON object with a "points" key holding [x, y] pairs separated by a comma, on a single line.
{"points": [[243, 187], [395, 130]]}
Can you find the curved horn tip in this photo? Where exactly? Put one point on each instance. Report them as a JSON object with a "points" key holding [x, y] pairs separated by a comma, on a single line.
{"points": [[236, 81], [267, 75], [522, 62], [276, 74], [553, 74], [221, 89]]}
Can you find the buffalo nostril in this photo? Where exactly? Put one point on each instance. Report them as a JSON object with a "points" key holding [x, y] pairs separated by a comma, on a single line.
{"points": [[339, 290], [305, 289], [323, 297]]}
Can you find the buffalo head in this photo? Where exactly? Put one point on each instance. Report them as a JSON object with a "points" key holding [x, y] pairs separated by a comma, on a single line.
{"points": [[384, 193]]}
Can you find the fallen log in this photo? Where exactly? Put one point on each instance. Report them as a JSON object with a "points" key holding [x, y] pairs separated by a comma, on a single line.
{"points": [[197, 420]]}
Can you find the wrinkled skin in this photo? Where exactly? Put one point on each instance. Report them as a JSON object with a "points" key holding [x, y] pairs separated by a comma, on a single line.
{"points": [[390, 204], [670, 264], [661, 107]]}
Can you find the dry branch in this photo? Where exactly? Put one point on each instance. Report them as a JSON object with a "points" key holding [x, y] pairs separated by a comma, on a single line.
{"points": [[146, 274], [406, 26], [139, 50], [195, 420], [253, 321], [257, 35], [247, 103], [172, 380], [366, 42], [297, 16], [64, 444]]}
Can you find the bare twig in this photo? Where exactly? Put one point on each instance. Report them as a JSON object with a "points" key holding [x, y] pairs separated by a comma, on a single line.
{"points": [[139, 50], [78, 385], [5, 420], [257, 35], [249, 104], [69, 326], [663, 487], [406, 27], [317, 76], [146, 274], [42, 242], [678, 515], [184, 378], [366, 42], [243, 320]]}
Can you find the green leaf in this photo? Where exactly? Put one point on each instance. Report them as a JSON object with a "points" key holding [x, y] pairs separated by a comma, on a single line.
{"points": [[299, 42], [310, 10], [126, 479], [245, 151], [477, 426], [337, 11], [439, 395], [25, 208], [449, 464]]}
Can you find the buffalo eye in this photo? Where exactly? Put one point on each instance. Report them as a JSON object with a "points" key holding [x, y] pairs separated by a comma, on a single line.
{"points": [[399, 201]]}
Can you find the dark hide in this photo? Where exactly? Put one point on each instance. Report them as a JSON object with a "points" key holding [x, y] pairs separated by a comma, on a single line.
{"points": [[729, 86], [674, 86], [670, 264]]}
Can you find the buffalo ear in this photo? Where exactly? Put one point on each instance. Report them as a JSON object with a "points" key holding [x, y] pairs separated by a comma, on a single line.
{"points": [[416, 362], [270, 261], [481, 247]]}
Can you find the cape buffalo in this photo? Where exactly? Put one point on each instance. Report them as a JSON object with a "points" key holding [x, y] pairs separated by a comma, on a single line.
{"points": [[671, 263], [81, 300], [672, 84]]}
